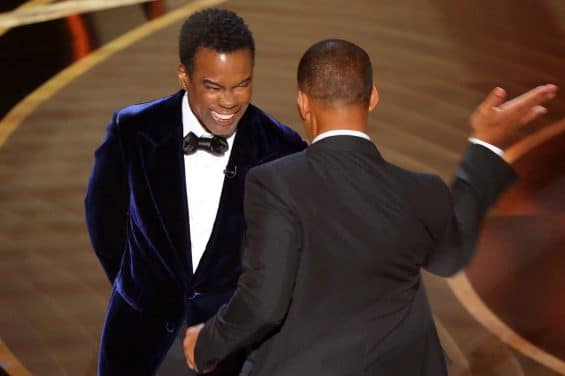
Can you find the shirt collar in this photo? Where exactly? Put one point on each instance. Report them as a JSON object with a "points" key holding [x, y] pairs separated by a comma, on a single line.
{"points": [[341, 132], [190, 122]]}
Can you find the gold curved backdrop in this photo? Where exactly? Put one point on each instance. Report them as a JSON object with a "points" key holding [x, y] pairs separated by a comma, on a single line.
{"points": [[434, 61]]}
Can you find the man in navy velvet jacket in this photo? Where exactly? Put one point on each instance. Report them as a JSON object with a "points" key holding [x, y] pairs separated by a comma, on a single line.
{"points": [[164, 205]]}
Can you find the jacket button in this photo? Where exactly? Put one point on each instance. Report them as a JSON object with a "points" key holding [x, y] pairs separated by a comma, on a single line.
{"points": [[170, 327], [194, 295]]}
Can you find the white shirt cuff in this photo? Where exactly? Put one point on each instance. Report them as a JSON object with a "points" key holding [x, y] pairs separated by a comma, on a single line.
{"points": [[496, 150]]}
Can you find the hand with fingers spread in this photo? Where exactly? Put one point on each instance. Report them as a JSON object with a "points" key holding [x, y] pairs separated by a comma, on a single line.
{"points": [[497, 122]]}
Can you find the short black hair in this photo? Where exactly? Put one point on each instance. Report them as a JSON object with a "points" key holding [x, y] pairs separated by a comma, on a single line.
{"points": [[336, 72], [218, 29]]}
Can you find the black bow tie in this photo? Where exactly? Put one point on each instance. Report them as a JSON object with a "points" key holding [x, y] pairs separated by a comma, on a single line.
{"points": [[216, 145]]}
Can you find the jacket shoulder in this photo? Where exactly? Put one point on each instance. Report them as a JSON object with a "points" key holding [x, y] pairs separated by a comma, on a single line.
{"points": [[150, 111], [428, 196], [286, 170], [416, 181], [283, 177], [286, 164]]}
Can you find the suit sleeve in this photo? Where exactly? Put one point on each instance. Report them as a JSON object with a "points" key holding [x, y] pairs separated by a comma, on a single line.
{"points": [[481, 177], [270, 260], [106, 202]]}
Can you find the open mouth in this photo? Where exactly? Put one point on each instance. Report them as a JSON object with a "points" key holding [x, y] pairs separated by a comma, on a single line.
{"points": [[223, 119]]}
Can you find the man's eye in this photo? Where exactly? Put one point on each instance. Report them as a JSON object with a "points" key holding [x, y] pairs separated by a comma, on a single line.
{"points": [[212, 88]]}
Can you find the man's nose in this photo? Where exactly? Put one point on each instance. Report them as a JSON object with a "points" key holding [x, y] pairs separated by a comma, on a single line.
{"points": [[228, 99]]}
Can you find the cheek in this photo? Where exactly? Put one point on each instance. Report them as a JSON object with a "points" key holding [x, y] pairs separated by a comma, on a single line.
{"points": [[206, 101], [244, 95]]}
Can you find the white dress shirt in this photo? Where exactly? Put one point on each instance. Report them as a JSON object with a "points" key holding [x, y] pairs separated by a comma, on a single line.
{"points": [[341, 132], [204, 174]]}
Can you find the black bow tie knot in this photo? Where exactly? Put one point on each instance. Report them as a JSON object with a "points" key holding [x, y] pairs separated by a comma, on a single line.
{"points": [[216, 145]]}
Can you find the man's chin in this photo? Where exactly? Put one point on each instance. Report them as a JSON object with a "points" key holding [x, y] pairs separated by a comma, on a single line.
{"points": [[223, 131]]}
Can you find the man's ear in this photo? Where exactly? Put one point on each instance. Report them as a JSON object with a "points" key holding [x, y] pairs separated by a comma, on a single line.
{"points": [[303, 105], [374, 99], [183, 76]]}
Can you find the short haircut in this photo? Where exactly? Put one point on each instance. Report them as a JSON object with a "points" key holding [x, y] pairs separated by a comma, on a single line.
{"points": [[336, 72], [218, 29]]}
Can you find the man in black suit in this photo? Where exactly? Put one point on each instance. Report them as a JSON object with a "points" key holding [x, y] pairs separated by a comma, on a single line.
{"points": [[164, 205], [337, 236]]}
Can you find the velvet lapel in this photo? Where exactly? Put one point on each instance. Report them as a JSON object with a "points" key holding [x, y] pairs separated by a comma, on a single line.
{"points": [[162, 161], [245, 154]]}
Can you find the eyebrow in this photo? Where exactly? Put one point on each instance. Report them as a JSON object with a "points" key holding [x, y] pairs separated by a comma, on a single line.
{"points": [[248, 79], [210, 82]]}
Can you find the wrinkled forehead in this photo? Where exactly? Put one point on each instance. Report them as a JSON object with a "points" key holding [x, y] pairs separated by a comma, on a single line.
{"points": [[225, 68]]}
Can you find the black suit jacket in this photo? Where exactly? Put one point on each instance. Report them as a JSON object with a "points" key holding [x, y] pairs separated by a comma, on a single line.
{"points": [[335, 243], [136, 210]]}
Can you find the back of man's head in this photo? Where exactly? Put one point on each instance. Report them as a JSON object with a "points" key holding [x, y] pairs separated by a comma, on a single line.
{"points": [[220, 30], [336, 72]]}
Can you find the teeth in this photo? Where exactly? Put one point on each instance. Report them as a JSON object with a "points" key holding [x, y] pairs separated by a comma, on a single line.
{"points": [[221, 116]]}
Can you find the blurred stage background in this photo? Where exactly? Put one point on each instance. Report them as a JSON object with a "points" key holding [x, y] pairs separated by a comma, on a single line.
{"points": [[65, 66]]}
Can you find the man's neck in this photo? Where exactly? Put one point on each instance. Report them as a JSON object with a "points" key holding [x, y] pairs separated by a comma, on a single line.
{"points": [[351, 118]]}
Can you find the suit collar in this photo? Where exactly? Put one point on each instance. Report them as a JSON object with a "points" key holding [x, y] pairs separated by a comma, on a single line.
{"points": [[344, 143], [161, 122], [340, 132]]}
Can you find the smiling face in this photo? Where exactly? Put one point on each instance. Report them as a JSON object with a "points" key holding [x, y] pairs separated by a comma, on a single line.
{"points": [[219, 88]]}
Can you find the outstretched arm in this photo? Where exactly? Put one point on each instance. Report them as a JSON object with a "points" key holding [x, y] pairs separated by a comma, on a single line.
{"points": [[482, 175]]}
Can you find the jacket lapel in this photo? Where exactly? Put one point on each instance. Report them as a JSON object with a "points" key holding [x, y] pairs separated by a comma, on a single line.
{"points": [[162, 160], [245, 155]]}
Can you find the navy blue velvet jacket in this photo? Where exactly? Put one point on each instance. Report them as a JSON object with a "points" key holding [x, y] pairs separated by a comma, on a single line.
{"points": [[137, 217]]}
